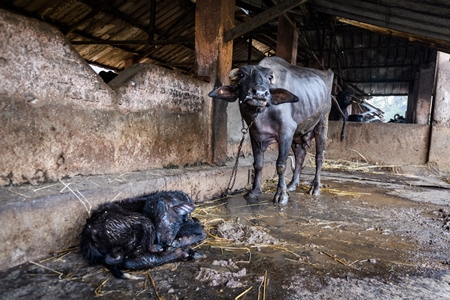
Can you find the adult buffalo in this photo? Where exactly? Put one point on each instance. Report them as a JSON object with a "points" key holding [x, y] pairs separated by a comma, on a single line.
{"points": [[285, 104]]}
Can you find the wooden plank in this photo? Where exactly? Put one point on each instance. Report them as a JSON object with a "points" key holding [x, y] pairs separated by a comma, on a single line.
{"points": [[412, 37], [134, 42], [287, 41], [261, 19]]}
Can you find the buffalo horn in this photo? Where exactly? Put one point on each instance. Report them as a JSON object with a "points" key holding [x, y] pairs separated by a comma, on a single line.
{"points": [[233, 75], [272, 81]]}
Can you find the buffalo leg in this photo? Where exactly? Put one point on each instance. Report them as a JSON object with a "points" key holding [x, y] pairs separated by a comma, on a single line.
{"points": [[152, 259], [321, 130], [189, 233], [281, 196], [258, 156], [299, 154]]}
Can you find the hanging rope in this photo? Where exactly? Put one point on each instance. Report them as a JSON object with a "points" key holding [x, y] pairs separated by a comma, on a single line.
{"points": [[236, 164]]}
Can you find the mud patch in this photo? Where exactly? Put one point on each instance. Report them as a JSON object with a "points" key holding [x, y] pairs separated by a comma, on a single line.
{"points": [[240, 234], [225, 273]]}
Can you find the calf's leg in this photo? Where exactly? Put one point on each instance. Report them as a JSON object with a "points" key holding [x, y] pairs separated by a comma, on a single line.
{"points": [[152, 259], [191, 232]]}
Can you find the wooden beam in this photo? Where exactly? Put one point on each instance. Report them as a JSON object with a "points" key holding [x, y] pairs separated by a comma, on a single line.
{"points": [[86, 18], [375, 67], [287, 40], [368, 81], [213, 58], [134, 42], [261, 19], [152, 26], [428, 20], [440, 45]]}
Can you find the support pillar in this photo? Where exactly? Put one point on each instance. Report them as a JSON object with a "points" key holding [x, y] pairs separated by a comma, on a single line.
{"points": [[213, 61], [424, 94], [287, 40], [410, 114], [440, 131]]}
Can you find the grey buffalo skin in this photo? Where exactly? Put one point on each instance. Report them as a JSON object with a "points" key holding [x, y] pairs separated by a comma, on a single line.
{"points": [[282, 104], [141, 232]]}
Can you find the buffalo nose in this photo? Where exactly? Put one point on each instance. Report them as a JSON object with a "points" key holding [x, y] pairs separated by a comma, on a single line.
{"points": [[260, 92]]}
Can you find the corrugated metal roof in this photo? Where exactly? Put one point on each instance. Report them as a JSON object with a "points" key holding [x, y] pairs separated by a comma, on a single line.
{"points": [[374, 60]]}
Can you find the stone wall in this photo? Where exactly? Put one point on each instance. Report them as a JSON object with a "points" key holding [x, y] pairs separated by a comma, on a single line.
{"points": [[440, 136], [59, 119], [376, 143], [379, 143]]}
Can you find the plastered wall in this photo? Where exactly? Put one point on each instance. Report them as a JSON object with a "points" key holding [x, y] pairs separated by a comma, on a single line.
{"points": [[59, 119], [379, 143]]}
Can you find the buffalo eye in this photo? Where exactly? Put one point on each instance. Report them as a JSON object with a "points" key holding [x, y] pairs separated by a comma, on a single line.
{"points": [[270, 77], [240, 75]]}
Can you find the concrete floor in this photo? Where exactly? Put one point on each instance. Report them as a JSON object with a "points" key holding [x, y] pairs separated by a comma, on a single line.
{"points": [[367, 236]]}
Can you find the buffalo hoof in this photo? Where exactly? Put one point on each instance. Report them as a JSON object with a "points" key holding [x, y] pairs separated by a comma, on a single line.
{"points": [[251, 197], [292, 187], [281, 198], [314, 191], [315, 188], [194, 255], [132, 277]]}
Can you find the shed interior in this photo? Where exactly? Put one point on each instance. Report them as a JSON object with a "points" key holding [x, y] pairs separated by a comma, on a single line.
{"points": [[376, 48], [60, 120]]}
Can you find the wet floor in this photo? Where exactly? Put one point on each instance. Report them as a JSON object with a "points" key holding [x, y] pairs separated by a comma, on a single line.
{"points": [[367, 236]]}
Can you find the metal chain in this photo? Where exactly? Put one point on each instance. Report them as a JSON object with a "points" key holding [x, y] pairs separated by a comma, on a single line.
{"points": [[235, 167]]}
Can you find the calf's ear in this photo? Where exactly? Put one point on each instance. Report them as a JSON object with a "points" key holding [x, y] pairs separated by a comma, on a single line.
{"points": [[280, 96], [226, 93], [184, 209]]}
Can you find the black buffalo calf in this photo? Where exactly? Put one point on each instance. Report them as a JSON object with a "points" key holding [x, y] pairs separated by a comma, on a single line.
{"points": [[141, 232]]}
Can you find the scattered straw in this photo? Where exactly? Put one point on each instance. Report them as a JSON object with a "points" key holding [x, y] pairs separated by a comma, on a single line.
{"points": [[243, 293], [120, 178], [59, 254], [83, 199], [360, 155], [98, 290], [44, 187], [116, 197], [150, 278], [343, 193], [336, 259], [264, 286], [231, 248], [44, 267], [20, 194]]}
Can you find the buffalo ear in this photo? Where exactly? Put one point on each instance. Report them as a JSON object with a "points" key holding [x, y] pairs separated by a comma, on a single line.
{"points": [[279, 96], [226, 93], [184, 209]]}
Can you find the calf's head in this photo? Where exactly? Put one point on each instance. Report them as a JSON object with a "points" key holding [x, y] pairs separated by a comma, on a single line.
{"points": [[252, 86], [168, 213]]}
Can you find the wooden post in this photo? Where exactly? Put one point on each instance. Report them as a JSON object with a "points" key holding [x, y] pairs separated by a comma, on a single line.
{"points": [[424, 94], [440, 131], [213, 60], [287, 40], [410, 114]]}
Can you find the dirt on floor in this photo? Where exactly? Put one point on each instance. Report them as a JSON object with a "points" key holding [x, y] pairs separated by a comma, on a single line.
{"points": [[367, 236]]}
